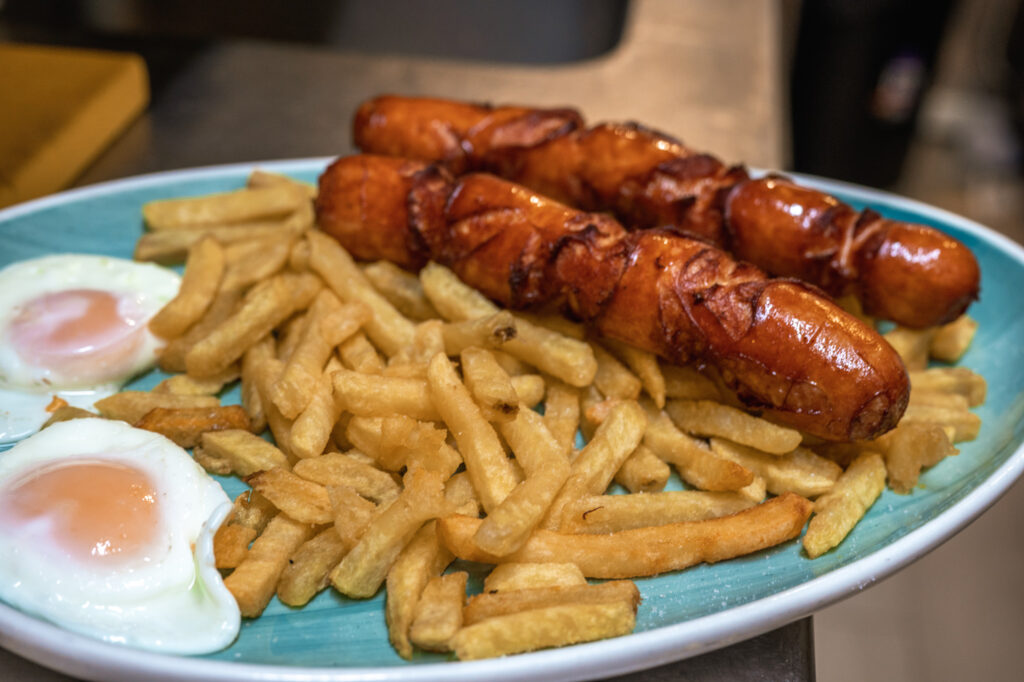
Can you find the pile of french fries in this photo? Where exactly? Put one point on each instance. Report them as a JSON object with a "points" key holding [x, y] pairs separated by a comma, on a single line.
{"points": [[405, 436]]}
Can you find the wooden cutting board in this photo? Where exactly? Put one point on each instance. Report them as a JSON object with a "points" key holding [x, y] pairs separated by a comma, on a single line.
{"points": [[59, 108]]}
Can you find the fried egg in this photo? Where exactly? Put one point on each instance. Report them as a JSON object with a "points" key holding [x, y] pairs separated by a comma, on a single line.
{"points": [[107, 530], [74, 326]]}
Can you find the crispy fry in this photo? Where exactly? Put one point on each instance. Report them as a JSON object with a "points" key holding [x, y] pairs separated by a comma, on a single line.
{"points": [[966, 425], [67, 413], [402, 289], [245, 452], [171, 246], [644, 365], [501, 603], [491, 331], [262, 178], [952, 340], [529, 388], [439, 611], [352, 513], [801, 471], [646, 551], [910, 447], [259, 353], [422, 559], [239, 206], [838, 511], [454, 300], [912, 345], [183, 384], [253, 581], [959, 380], [338, 469], [376, 396], [612, 513], [706, 418], [308, 569], [688, 384], [460, 495], [249, 515], [172, 357], [403, 438], [643, 472], [490, 470], [556, 323], [489, 385], [562, 412], [301, 499], [203, 272], [359, 355], [524, 576], [613, 379], [131, 406], [186, 425], [542, 628], [311, 431]]}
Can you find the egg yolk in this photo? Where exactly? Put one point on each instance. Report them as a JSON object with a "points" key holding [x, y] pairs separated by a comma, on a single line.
{"points": [[80, 334], [88, 510]]}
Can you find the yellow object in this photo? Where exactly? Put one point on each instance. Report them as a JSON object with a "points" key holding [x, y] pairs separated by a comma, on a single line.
{"points": [[59, 108]]}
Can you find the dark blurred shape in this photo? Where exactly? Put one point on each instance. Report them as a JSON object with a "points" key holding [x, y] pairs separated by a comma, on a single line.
{"points": [[525, 31], [859, 73], [1015, 60]]}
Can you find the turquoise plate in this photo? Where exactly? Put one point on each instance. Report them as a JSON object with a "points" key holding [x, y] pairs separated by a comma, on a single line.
{"points": [[683, 613]]}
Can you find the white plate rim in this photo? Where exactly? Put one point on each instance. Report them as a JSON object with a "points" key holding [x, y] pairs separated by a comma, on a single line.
{"points": [[78, 655]]}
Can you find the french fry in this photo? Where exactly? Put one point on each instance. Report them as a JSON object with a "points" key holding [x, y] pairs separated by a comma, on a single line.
{"points": [[460, 495], [644, 365], [695, 462], [402, 289], [546, 467], [338, 469], [352, 513], [501, 603], [454, 300], [253, 581], [800, 471], [910, 447], [67, 413], [422, 559], [612, 513], [949, 401], [643, 472], [308, 569], [172, 246], [265, 373], [646, 551], [239, 206], [707, 418], [529, 388], [311, 431], [528, 576], [411, 360], [262, 310], [131, 406], [245, 452], [387, 328], [966, 425], [912, 345], [252, 368], [491, 331], [203, 272], [213, 465], [489, 385], [439, 611], [361, 572], [172, 357], [359, 355], [542, 628], [186, 425], [375, 396], [183, 384], [838, 511], [490, 470], [249, 515], [249, 262], [262, 178], [952, 340], [301, 499], [556, 323], [959, 380], [402, 438], [613, 379], [687, 383], [592, 471]]}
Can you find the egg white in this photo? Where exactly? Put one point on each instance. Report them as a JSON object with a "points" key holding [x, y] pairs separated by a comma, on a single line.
{"points": [[171, 600], [25, 389]]}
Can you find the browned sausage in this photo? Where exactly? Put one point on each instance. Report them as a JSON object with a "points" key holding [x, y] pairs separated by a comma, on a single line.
{"points": [[778, 344], [911, 274]]}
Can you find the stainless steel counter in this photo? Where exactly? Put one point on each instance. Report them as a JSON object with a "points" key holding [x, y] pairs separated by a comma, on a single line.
{"points": [[709, 73]]}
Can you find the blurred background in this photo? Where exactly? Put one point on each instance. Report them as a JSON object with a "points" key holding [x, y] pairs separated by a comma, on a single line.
{"points": [[922, 98]]}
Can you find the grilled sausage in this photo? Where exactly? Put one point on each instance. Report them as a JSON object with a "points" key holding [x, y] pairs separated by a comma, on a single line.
{"points": [[783, 348], [911, 274]]}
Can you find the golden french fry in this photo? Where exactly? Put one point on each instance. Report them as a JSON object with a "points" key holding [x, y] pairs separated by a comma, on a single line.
{"points": [[966, 425], [592, 471], [613, 379], [183, 384], [403, 439], [363, 569], [172, 357], [958, 380], [376, 396], [646, 551], [262, 178], [298, 497], [460, 495], [411, 360], [212, 464], [422, 559], [643, 472], [489, 385], [67, 413], [249, 262], [949, 401], [801, 471], [838, 511], [338, 469], [490, 470], [402, 289], [491, 331], [453, 299], [186, 425], [253, 581], [952, 340], [265, 373], [439, 611], [695, 462], [249, 515], [172, 246], [556, 323], [562, 412], [239, 206], [542, 628], [311, 431], [262, 310], [387, 328], [252, 367], [644, 365], [528, 576], [707, 418], [131, 406], [308, 569], [612, 513], [203, 272], [688, 384], [910, 447], [501, 603], [352, 513], [529, 388], [912, 345], [245, 452], [359, 355]]}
